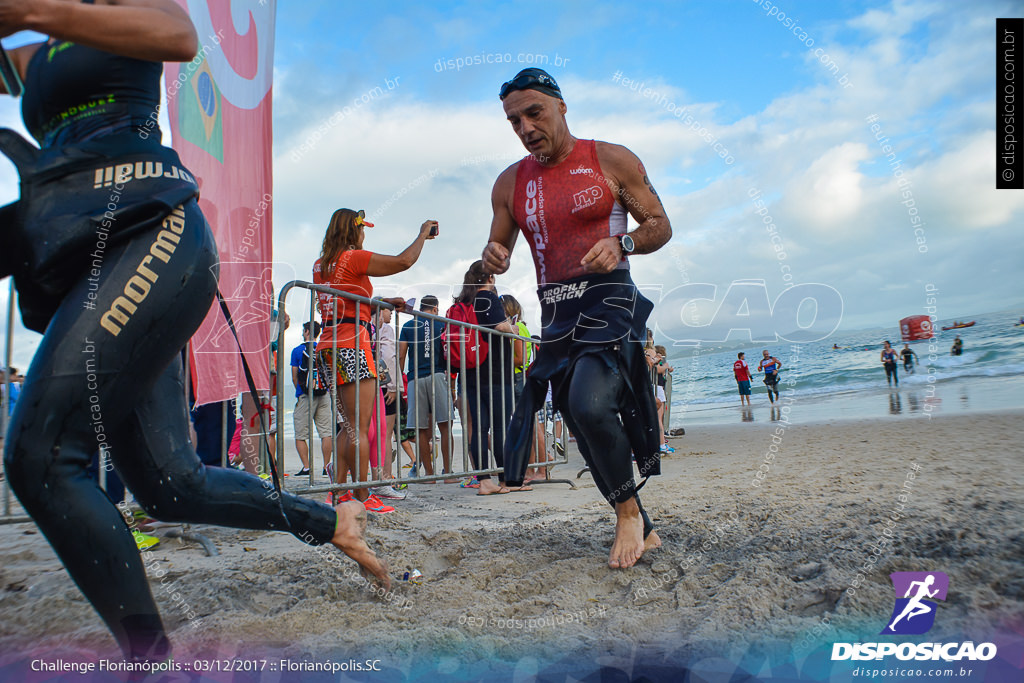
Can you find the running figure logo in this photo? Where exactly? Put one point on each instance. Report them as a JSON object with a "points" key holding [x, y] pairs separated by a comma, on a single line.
{"points": [[914, 613]]}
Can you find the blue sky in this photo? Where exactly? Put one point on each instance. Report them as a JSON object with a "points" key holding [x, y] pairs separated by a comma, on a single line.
{"points": [[432, 145]]}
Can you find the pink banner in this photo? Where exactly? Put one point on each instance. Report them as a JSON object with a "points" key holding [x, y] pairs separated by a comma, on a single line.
{"points": [[219, 106]]}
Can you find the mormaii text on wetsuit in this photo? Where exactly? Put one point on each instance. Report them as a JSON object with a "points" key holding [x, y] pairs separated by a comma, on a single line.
{"points": [[137, 288], [122, 174], [947, 652]]}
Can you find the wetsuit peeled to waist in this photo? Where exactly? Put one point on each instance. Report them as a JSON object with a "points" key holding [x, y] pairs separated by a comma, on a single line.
{"points": [[76, 202], [595, 314]]}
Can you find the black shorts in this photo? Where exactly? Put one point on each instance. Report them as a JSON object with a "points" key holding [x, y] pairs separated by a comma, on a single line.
{"points": [[771, 380], [390, 408]]}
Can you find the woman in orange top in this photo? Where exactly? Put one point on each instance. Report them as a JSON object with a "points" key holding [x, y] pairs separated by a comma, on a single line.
{"points": [[346, 266]]}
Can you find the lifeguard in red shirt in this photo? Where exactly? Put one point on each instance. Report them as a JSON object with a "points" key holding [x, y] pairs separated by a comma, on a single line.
{"points": [[742, 372]]}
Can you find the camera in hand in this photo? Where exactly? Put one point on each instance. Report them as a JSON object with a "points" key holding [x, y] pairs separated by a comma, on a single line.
{"points": [[434, 230]]}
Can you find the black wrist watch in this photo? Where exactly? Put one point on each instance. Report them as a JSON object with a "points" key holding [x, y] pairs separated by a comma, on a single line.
{"points": [[626, 244]]}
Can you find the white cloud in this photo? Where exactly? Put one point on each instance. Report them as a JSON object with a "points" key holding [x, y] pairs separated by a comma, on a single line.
{"points": [[924, 69], [829, 191]]}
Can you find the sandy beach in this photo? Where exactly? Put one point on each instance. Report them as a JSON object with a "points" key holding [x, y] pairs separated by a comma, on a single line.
{"points": [[758, 573]]}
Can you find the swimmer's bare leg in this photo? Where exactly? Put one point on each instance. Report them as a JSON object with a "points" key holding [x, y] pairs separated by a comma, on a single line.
{"points": [[629, 545], [350, 538]]}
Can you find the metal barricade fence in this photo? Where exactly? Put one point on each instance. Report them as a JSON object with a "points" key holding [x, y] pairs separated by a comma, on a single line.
{"points": [[501, 341], [467, 393], [8, 516], [667, 415]]}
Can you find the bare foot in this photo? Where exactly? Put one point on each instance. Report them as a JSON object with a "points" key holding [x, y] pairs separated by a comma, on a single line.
{"points": [[628, 546], [652, 541], [349, 538]]}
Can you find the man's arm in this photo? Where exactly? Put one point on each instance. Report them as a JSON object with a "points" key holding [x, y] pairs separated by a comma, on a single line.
{"points": [[295, 377], [403, 349], [153, 30], [627, 178], [518, 352], [504, 230]]}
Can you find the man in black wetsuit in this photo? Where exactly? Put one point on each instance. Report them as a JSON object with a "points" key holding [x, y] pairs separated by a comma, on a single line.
{"points": [[570, 198], [116, 265], [770, 365], [908, 359]]}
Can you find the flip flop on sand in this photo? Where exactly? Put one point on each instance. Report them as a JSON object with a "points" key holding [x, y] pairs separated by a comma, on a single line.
{"points": [[525, 488], [501, 491]]}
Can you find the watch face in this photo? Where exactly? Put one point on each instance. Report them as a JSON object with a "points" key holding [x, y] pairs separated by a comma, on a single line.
{"points": [[627, 244]]}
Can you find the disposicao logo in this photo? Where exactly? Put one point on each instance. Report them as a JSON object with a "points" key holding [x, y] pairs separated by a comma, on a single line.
{"points": [[914, 614]]}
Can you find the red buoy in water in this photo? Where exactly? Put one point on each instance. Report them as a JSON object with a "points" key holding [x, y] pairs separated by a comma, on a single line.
{"points": [[916, 327]]}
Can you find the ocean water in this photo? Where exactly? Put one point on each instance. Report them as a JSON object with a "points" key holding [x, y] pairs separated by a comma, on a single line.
{"points": [[825, 383], [819, 383]]}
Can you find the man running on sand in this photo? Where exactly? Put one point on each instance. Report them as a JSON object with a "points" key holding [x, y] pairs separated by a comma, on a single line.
{"points": [[570, 199]]}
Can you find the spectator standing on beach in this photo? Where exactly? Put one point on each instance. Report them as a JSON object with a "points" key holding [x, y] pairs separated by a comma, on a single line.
{"points": [[15, 390], [311, 396], [888, 359], [344, 355], [213, 426], [742, 373], [522, 351], [489, 384], [908, 359], [770, 365], [570, 198], [664, 374], [429, 387], [522, 356], [260, 426], [388, 355]]}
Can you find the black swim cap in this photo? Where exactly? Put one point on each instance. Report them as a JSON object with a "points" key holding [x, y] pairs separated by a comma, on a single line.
{"points": [[532, 79]]}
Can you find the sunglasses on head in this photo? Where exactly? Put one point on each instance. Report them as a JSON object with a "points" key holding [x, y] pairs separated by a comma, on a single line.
{"points": [[361, 219], [523, 81]]}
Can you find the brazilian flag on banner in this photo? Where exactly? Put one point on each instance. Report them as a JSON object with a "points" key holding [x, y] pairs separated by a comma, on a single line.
{"points": [[199, 111]]}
